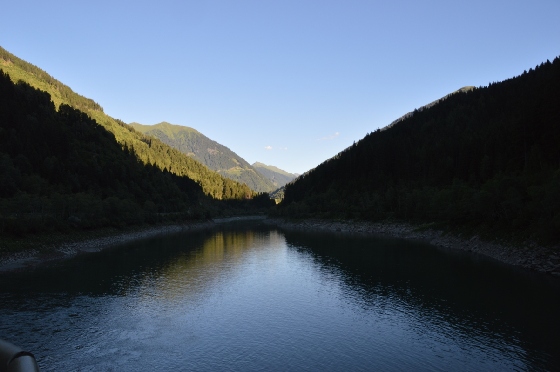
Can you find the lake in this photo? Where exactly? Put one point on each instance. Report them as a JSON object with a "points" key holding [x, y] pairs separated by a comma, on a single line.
{"points": [[246, 297]]}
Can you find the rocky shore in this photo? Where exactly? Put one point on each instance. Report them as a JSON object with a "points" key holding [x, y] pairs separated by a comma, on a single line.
{"points": [[529, 256], [45, 254]]}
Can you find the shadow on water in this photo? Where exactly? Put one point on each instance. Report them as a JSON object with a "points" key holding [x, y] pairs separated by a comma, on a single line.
{"points": [[476, 296], [116, 270]]}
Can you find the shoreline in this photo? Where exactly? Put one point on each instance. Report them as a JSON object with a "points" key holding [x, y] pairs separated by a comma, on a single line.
{"points": [[62, 250], [66, 248], [530, 256]]}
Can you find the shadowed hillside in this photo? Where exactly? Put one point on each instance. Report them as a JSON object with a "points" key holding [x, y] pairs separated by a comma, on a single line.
{"points": [[148, 149], [59, 169], [488, 158]]}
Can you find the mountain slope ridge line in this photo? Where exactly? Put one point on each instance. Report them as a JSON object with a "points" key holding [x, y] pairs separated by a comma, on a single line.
{"points": [[148, 150], [214, 155]]}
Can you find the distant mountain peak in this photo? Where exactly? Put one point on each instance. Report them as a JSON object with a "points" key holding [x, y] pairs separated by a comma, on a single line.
{"points": [[209, 152], [278, 176], [170, 130]]}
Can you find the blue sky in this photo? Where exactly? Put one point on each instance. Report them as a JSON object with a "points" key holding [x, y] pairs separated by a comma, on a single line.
{"points": [[286, 83]]}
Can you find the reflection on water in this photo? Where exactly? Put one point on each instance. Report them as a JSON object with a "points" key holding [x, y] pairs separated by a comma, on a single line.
{"points": [[193, 271], [248, 297], [468, 297]]}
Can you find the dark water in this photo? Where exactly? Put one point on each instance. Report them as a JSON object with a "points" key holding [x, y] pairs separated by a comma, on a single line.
{"points": [[253, 298]]}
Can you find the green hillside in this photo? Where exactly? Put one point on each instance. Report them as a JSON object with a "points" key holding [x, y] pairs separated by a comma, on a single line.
{"points": [[148, 149], [485, 158], [60, 170], [278, 176], [210, 153]]}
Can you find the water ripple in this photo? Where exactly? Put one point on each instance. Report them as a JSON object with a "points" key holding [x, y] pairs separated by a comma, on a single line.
{"points": [[259, 300]]}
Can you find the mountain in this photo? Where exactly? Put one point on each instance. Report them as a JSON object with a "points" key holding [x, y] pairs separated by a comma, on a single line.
{"points": [[487, 159], [147, 149], [210, 153], [59, 169], [278, 176], [409, 114]]}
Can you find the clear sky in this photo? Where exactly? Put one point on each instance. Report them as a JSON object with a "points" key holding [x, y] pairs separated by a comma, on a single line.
{"points": [[287, 83]]}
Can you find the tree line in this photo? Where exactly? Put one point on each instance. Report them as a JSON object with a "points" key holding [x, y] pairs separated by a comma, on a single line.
{"points": [[488, 158], [61, 170], [73, 99], [149, 150]]}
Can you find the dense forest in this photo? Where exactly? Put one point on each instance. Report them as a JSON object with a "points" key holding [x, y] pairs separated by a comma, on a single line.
{"points": [[60, 169], [210, 153], [149, 150], [488, 158]]}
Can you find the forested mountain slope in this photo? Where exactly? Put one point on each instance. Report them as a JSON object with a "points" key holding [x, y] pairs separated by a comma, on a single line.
{"points": [[278, 176], [60, 169], [148, 149], [210, 153], [487, 158], [409, 114]]}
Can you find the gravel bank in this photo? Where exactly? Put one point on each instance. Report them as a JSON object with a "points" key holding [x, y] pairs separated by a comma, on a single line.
{"points": [[529, 256], [35, 257]]}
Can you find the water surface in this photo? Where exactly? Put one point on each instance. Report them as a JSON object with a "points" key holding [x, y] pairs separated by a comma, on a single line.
{"points": [[253, 298]]}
